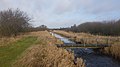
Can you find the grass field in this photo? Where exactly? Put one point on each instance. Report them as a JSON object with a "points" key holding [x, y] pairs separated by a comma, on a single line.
{"points": [[8, 54]]}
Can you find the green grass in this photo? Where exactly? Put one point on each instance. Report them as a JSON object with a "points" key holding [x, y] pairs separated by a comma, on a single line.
{"points": [[9, 54]]}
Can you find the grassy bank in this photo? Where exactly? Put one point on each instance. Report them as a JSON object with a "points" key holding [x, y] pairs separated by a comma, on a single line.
{"points": [[89, 38], [46, 54], [113, 51], [5, 41], [9, 53], [35, 49]]}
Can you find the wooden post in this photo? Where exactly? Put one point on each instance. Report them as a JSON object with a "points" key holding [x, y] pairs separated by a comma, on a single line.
{"points": [[84, 42], [118, 39], [97, 42], [107, 41]]}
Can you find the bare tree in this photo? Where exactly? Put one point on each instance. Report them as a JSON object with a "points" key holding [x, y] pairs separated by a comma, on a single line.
{"points": [[12, 22]]}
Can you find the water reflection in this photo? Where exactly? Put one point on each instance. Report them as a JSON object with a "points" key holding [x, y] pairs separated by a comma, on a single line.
{"points": [[65, 40]]}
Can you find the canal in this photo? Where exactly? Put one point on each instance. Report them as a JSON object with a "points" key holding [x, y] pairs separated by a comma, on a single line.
{"points": [[91, 58]]}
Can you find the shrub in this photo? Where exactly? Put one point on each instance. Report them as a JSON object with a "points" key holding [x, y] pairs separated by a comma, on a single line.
{"points": [[12, 22]]}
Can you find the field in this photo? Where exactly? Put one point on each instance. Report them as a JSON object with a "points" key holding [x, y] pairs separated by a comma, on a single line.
{"points": [[113, 50], [36, 49]]}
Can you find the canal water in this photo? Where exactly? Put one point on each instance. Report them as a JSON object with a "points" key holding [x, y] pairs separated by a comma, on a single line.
{"points": [[91, 59]]}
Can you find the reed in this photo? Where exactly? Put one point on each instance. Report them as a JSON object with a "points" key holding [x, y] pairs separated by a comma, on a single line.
{"points": [[46, 54], [113, 50]]}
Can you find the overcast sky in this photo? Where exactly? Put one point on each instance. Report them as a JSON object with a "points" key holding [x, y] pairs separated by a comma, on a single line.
{"points": [[64, 13]]}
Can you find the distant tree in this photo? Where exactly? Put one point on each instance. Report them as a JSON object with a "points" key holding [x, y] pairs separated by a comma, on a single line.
{"points": [[74, 28], [42, 28], [99, 28], [12, 22]]}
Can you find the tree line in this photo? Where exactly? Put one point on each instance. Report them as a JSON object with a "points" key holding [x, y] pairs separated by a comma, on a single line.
{"points": [[14, 22], [97, 28], [39, 28]]}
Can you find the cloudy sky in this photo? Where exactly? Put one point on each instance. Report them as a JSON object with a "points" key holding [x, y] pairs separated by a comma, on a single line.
{"points": [[64, 13]]}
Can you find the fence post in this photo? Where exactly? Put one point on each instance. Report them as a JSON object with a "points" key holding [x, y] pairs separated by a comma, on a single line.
{"points": [[84, 42], [97, 42], [118, 39], [107, 41]]}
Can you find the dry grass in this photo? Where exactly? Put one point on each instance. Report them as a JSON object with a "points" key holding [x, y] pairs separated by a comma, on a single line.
{"points": [[4, 41], [64, 33], [113, 51], [45, 54], [89, 38]]}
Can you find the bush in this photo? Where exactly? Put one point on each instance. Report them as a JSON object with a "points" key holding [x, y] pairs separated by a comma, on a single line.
{"points": [[12, 22]]}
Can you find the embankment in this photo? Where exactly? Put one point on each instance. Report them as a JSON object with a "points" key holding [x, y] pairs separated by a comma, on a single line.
{"points": [[46, 54]]}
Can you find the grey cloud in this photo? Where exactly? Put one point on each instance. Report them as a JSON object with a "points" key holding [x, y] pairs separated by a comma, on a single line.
{"points": [[89, 6], [99, 6], [63, 6], [51, 11]]}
